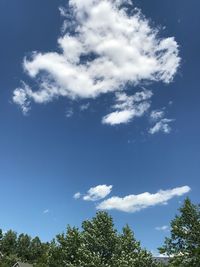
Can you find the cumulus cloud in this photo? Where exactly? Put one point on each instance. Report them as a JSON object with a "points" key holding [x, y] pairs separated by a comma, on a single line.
{"points": [[98, 192], [103, 49], [133, 203]]}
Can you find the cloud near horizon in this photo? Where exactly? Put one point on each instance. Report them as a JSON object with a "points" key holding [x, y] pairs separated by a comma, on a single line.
{"points": [[162, 228], [133, 203], [103, 48]]}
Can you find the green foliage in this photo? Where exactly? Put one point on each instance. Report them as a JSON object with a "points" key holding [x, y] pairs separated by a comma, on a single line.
{"points": [[184, 242], [97, 244], [9, 243], [129, 252], [1, 234], [100, 237], [22, 248], [65, 252]]}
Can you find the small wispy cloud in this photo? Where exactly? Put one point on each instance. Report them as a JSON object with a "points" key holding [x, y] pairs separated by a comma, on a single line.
{"points": [[128, 107], [77, 195], [69, 113], [160, 122], [157, 114], [46, 211], [133, 203], [84, 107], [20, 98], [162, 228], [161, 126]]}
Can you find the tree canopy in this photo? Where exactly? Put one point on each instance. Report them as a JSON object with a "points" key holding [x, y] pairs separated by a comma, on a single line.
{"points": [[183, 246], [97, 244]]}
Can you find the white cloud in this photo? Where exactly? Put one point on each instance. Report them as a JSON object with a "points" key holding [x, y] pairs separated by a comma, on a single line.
{"points": [[84, 107], [158, 255], [108, 50], [128, 107], [162, 228], [161, 126], [133, 203], [98, 192], [77, 195], [157, 114], [46, 211], [118, 117], [69, 113], [20, 97]]}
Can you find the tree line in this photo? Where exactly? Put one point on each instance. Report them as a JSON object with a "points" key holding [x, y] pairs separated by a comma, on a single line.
{"points": [[99, 244]]}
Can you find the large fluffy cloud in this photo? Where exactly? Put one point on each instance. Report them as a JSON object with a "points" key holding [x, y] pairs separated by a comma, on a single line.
{"points": [[133, 203], [103, 49]]}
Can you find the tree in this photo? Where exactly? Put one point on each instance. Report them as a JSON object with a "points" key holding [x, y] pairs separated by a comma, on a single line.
{"points": [[100, 237], [38, 251], [184, 243], [23, 247], [129, 252], [66, 249], [9, 243], [1, 236], [69, 250], [98, 245]]}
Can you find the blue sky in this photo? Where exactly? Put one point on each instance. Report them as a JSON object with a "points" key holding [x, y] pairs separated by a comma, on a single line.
{"points": [[127, 117]]}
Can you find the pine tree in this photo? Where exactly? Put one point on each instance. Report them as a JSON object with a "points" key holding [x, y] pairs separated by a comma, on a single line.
{"points": [[23, 247]]}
